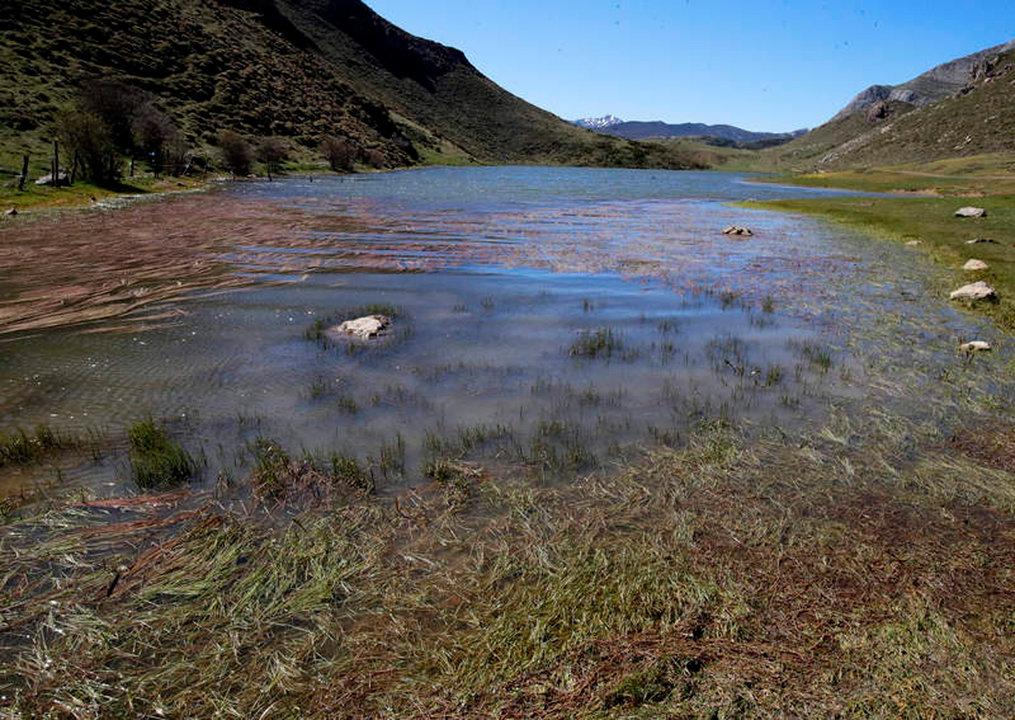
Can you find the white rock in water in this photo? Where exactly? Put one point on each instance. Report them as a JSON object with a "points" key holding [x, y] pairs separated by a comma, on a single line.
{"points": [[975, 265], [737, 230], [975, 346], [975, 291], [364, 328], [970, 212]]}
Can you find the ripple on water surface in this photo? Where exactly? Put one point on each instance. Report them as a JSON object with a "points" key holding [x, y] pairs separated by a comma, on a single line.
{"points": [[565, 317]]}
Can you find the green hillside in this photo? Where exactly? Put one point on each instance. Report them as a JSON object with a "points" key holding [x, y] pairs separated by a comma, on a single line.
{"points": [[978, 120], [300, 69]]}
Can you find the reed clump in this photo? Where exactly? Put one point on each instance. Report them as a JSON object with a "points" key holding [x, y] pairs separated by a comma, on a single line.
{"points": [[155, 458]]}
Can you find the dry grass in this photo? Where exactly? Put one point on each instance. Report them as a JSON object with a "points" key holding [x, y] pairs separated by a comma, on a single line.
{"points": [[861, 571]]}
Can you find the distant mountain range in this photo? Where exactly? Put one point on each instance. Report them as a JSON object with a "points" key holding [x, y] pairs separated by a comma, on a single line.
{"points": [[658, 130]]}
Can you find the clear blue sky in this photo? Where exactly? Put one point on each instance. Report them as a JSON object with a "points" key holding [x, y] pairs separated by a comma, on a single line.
{"points": [[759, 64]]}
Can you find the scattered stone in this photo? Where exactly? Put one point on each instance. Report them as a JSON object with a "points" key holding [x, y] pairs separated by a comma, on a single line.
{"points": [[913, 243], [62, 178], [738, 230], [975, 346], [364, 328], [970, 212], [981, 240], [975, 265], [12, 212], [975, 291]]}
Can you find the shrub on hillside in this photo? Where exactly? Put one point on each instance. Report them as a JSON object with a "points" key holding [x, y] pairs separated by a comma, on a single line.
{"points": [[153, 132], [340, 153], [374, 158], [272, 152], [237, 154], [89, 140]]}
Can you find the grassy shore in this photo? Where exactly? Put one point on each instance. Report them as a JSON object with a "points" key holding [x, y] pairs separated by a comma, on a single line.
{"points": [[858, 571], [84, 194], [925, 219]]}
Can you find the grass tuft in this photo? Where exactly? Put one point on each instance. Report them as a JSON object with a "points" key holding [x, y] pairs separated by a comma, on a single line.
{"points": [[155, 459], [23, 448], [599, 343]]}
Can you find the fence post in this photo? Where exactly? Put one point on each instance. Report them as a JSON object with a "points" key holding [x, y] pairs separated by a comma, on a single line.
{"points": [[24, 173]]}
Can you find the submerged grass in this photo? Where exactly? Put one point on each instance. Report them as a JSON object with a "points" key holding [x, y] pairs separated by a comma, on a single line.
{"points": [[156, 459], [930, 223], [26, 448], [729, 578], [598, 343]]}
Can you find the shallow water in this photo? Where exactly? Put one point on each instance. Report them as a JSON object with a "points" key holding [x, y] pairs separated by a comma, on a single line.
{"points": [[496, 273]]}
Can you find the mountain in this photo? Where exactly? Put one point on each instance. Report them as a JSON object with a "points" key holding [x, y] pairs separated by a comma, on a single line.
{"points": [[300, 69], [598, 123], [926, 89], [964, 107], [658, 130]]}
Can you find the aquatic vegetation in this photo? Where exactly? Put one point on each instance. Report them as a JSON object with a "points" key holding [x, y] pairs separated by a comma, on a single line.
{"points": [[272, 473], [728, 298], [386, 309], [318, 389], [346, 469], [347, 404], [391, 458], [156, 459], [558, 448], [315, 332], [773, 376], [598, 343], [819, 356], [25, 448]]}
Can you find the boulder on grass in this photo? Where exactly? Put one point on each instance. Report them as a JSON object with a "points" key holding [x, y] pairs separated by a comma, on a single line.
{"points": [[62, 178], [974, 291], [970, 212], [11, 213], [364, 328], [974, 264], [977, 241], [975, 346]]}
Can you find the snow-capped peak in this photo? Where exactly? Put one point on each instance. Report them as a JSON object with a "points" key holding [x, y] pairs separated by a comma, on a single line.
{"points": [[599, 123]]}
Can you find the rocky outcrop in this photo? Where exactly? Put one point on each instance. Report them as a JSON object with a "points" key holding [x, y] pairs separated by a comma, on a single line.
{"points": [[878, 111]]}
